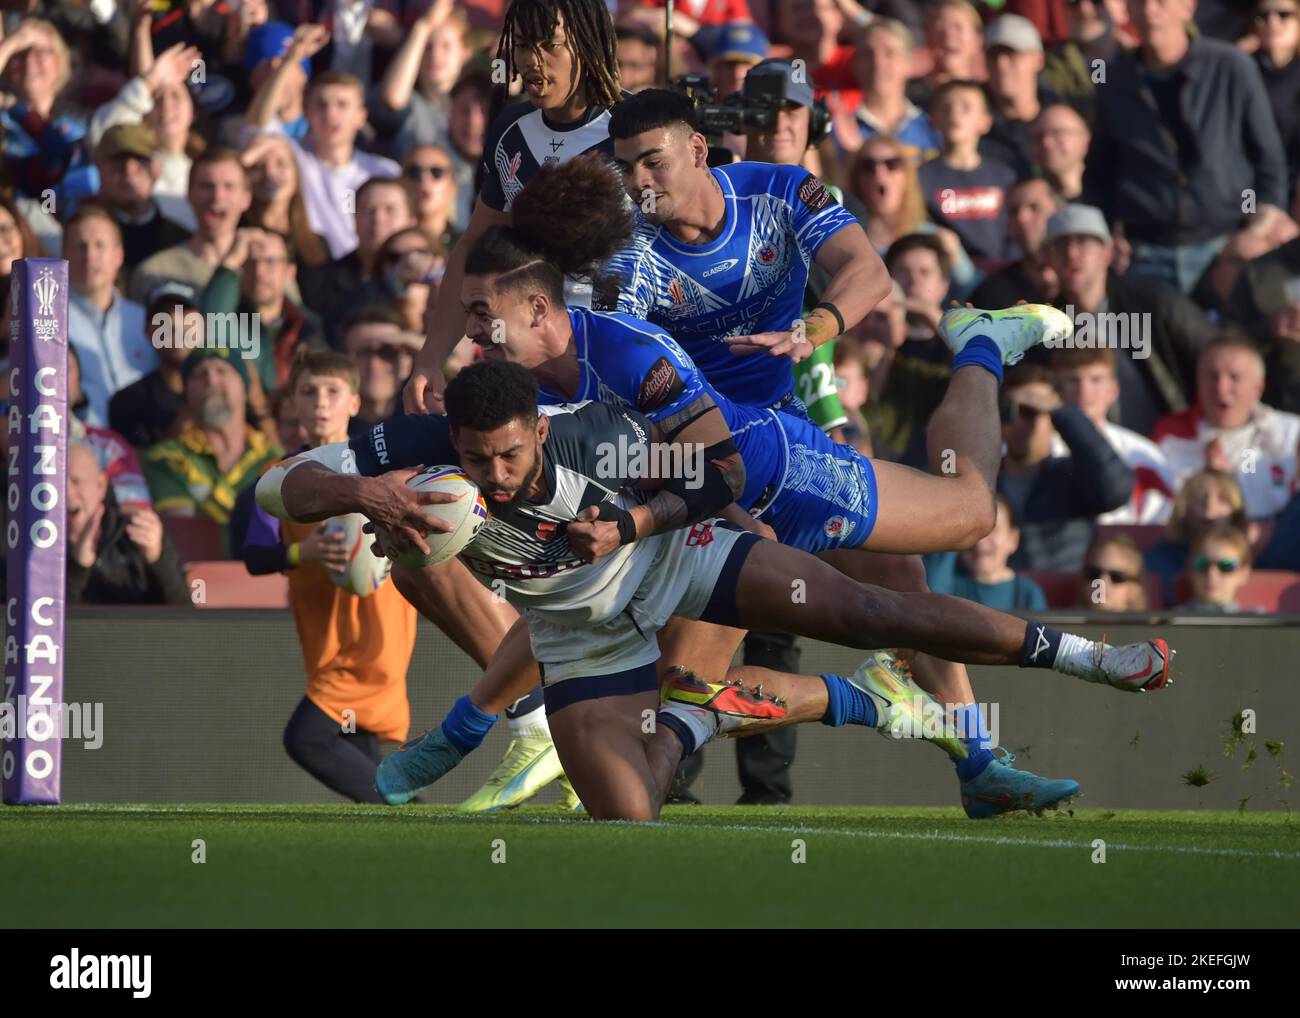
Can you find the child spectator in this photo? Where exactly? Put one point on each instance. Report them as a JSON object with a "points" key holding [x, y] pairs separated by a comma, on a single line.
{"points": [[356, 649], [331, 169], [1111, 579], [1209, 497], [963, 190], [1086, 377], [981, 573], [1217, 569], [277, 94], [920, 265], [851, 384]]}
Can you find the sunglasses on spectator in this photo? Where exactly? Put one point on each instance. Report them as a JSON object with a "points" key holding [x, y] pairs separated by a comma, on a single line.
{"points": [[1203, 564], [1110, 575], [416, 171], [893, 164], [1261, 17]]}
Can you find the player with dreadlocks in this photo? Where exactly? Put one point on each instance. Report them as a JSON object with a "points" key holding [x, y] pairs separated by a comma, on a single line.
{"points": [[564, 52]]}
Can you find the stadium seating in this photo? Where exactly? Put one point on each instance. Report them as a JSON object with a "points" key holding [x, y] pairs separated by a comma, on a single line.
{"points": [[1143, 535], [228, 585]]}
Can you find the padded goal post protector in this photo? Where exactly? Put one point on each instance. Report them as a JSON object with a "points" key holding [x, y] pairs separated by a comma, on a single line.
{"points": [[35, 530]]}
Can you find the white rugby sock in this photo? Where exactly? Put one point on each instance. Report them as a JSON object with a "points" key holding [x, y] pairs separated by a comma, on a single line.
{"points": [[530, 726], [1075, 657], [703, 725]]}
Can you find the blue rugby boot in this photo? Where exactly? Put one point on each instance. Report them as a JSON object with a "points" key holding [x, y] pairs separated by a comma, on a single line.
{"points": [[416, 765], [999, 788]]}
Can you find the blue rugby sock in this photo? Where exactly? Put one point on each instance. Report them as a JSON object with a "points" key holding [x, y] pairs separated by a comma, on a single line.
{"points": [[846, 704], [466, 725], [982, 352], [973, 732]]}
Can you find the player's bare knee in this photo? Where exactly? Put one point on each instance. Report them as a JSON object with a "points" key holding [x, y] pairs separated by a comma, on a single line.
{"points": [[975, 520]]}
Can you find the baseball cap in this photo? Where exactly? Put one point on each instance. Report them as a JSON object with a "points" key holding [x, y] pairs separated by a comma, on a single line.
{"points": [[1013, 32], [796, 91], [735, 40], [166, 296], [267, 41], [202, 354], [1076, 220], [129, 140]]}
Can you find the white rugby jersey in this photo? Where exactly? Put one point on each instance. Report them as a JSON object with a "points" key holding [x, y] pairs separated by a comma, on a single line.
{"points": [[525, 552]]}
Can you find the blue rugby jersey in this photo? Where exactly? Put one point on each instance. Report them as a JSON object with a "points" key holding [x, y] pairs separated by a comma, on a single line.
{"points": [[633, 365], [750, 279]]}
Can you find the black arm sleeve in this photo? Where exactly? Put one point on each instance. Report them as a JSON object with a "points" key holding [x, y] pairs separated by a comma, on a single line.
{"points": [[412, 440]]}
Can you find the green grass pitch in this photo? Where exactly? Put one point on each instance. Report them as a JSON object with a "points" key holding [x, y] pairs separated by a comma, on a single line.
{"points": [[128, 866]]}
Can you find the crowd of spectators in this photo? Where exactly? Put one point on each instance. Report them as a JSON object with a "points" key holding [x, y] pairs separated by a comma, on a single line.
{"points": [[233, 184]]}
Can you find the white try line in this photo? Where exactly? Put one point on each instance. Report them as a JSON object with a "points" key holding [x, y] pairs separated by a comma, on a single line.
{"points": [[936, 836]]}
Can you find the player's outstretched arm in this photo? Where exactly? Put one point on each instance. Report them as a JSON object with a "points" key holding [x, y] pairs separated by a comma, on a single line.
{"points": [[323, 482], [713, 474], [859, 281]]}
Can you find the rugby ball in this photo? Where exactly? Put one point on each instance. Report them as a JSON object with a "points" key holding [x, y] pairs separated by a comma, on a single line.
{"points": [[467, 515], [365, 572]]}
